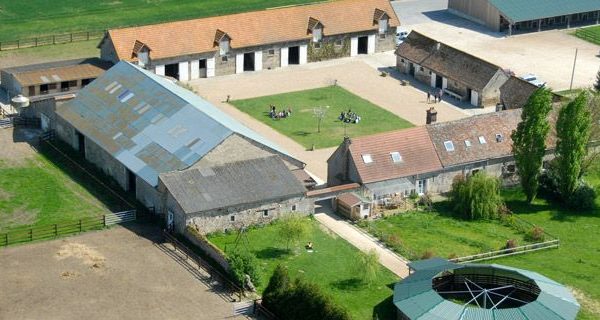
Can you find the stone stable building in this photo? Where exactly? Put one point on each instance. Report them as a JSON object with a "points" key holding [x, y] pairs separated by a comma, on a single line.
{"points": [[136, 126], [459, 74], [253, 41]]}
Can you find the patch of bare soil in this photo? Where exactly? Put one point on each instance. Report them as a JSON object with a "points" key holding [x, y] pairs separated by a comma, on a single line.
{"points": [[69, 275], [88, 256], [20, 216], [588, 303], [5, 195], [16, 145]]}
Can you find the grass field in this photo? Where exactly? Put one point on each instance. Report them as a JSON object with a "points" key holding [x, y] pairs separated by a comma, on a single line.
{"points": [[444, 235], [331, 266], [26, 19], [302, 125], [591, 34]]}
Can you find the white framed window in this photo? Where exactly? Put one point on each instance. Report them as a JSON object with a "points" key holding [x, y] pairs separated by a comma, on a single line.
{"points": [[449, 145], [224, 47], [232, 218], [317, 34], [265, 213], [482, 140], [367, 158]]}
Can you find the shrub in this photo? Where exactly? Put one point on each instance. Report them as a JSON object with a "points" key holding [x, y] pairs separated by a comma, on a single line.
{"points": [[299, 300], [452, 256], [535, 234], [243, 263], [477, 196], [584, 197], [427, 255], [368, 266], [510, 244], [293, 228]]}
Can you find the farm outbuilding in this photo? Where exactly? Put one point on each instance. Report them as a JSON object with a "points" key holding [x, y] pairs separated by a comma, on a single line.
{"points": [[136, 126], [352, 206], [253, 41], [44, 80], [527, 15]]}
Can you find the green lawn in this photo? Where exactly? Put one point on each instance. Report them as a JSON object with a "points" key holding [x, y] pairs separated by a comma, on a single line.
{"points": [[331, 266], [48, 189], [30, 18], [302, 125], [442, 234], [591, 34]]}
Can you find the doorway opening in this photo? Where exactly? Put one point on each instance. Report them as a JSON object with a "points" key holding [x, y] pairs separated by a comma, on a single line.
{"points": [[294, 55], [80, 143], [172, 70], [439, 81], [249, 61], [202, 68], [130, 181], [411, 69], [363, 45]]}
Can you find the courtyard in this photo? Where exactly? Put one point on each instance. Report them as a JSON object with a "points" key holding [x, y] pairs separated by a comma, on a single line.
{"points": [[343, 114], [119, 273], [332, 266]]}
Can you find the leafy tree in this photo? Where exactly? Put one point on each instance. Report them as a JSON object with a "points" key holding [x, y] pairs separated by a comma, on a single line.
{"points": [[573, 132], [368, 266], [529, 140], [593, 156], [275, 292], [292, 228], [477, 196], [242, 263]]}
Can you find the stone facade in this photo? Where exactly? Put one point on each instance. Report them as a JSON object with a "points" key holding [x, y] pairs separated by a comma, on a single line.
{"points": [[332, 47], [232, 218]]}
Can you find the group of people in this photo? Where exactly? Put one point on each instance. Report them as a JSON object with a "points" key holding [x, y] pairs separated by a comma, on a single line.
{"points": [[436, 94], [274, 114], [349, 117]]}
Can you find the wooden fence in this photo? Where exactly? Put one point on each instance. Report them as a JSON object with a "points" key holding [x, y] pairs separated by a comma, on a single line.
{"points": [[51, 231], [51, 39], [508, 252], [588, 35]]}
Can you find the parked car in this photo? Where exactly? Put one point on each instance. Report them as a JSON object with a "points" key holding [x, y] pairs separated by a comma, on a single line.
{"points": [[400, 36], [533, 79]]}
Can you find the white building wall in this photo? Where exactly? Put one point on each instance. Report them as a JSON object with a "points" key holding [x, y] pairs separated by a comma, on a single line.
{"points": [[160, 70]]}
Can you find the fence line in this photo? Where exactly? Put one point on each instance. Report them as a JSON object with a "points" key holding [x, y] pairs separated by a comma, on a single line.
{"points": [[51, 231], [51, 40], [508, 252]]}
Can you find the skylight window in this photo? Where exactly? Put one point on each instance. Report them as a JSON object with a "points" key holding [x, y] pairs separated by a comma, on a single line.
{"points": [[482, 140], [449, 146], [467, 143], [396, 157], [126, 95], [367, 158]]}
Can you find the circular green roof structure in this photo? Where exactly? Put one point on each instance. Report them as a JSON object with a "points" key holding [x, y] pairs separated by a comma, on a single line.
{"points": [[438, 289]]}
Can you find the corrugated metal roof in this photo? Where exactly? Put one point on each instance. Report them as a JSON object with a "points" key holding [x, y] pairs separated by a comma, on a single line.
{"points": [[417, 299], [59, 71], [149, 123], [256, 180], [524, 10]]}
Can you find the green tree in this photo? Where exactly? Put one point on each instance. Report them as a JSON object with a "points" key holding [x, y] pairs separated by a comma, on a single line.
{"points": [[597, 83], [477, 196], [277, 289], [573, 129], [529, 140], [368, 266], [292, 228], [593, 157], [242, 263]]}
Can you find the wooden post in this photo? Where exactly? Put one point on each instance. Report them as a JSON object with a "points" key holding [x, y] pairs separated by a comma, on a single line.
{"points": [[31, 234], [80, 225], [18, 43], [71, 37], [88, 36], [53, 39], [104, 220], [36, 41], [539, 25], [6, 239]]}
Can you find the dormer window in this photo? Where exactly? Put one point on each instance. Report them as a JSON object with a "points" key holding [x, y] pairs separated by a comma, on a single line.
{"points": [[396, 157], [142, 52], [223, 41], [315, 27], [367, 158], [382, 19]]}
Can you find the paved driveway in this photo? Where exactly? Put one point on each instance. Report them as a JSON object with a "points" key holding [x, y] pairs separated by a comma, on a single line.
{"points": [[111, 274]]}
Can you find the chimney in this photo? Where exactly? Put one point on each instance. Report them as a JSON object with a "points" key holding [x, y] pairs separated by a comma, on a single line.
{"points": [[431, 116]]}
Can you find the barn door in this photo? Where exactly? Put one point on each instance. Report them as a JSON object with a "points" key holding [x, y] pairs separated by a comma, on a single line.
{"points": [[258, 59], [284, 57], [303, 54], [474, 98], [371, 44], [354, 46], [210, 67], [433, 79], [239, 63]]}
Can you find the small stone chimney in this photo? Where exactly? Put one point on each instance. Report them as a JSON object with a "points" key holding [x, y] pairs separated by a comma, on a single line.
{"points": [[431, 116]]}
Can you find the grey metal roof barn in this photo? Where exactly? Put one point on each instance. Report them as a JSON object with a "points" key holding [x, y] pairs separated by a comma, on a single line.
{"points": [[435, 288], [149, 123], [237, 183], [524, 10]]}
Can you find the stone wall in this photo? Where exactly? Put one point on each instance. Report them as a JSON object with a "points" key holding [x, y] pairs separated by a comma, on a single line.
{"points": [[233, 218], [106, 162], [149, 196], [107, 50], [271, 58], [387, 42], [225, 64], [207, 247], [331, 47], [65, 132]]}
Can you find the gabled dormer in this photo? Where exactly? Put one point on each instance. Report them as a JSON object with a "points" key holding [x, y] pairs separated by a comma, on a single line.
{"points": [[315, 27], [382, 19], [141, 51], [223, 41]]}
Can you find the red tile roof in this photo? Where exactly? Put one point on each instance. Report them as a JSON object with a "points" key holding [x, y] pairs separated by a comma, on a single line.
{"points": [[250, 29], [349, 199], [415, 148]]}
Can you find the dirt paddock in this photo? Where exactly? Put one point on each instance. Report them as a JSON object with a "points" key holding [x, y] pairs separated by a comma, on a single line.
{"points": [[111, 274]]}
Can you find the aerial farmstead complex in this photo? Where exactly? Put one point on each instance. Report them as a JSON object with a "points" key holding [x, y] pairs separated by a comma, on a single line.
{"points": [[343, 159]]}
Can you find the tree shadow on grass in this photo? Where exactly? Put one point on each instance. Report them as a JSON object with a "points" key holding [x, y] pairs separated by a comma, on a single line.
{"points": [[271, 253], [302, 133], [352, 284]]}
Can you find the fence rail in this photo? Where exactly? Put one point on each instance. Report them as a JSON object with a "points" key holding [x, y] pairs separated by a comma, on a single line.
{"points": [[588, 35], [508, 252], [51, 40], [51, 231]]}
